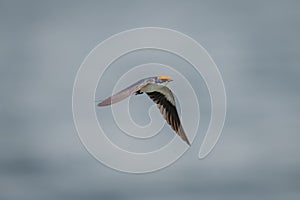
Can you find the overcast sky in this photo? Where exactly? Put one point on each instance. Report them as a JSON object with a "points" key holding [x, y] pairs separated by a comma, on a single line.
{"points": [[256, 47]]}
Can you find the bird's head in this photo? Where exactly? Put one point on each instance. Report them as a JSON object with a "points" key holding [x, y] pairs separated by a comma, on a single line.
{"points": [[163, 79]]}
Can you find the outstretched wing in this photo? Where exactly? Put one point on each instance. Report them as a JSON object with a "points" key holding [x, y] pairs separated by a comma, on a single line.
{"points": [[166, 103], [125, 93]]}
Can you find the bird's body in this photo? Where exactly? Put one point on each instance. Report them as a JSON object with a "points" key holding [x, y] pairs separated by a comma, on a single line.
{"points": [[156, 89]]}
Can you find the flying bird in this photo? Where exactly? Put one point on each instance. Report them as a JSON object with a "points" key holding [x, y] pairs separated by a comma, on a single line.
{"points": [[156, 89]]}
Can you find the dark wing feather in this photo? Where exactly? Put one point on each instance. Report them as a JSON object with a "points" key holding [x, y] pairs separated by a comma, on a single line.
{"points": [[125, 93], [166, 104]]}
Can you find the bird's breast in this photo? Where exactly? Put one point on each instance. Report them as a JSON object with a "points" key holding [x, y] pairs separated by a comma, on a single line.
{"points": [[151, 87]]}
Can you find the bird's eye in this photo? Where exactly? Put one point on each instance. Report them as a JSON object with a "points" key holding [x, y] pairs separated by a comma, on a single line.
{"points": [[158, 80]]}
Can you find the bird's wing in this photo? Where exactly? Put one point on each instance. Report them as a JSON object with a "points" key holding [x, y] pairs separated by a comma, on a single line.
{"points": [[166, 103], [125, 93]]}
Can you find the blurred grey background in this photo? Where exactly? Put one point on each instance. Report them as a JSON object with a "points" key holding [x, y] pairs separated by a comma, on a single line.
{"points": [[254, 43]]}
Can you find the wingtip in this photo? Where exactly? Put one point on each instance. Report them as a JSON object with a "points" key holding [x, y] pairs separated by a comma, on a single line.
{"points": [[188, 143], [99, 102], [103, 103]]}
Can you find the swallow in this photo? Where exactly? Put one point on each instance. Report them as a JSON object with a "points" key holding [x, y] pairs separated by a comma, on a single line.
{"points": [[156, 89]]}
